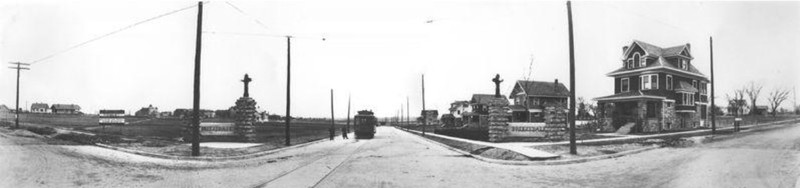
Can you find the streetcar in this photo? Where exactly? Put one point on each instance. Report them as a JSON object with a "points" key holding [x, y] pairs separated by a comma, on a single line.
{"points": [[365, 123]]}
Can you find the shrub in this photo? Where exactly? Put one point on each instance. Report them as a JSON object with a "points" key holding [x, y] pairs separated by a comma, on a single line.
{"points": [[89, 139], [42, 130]]}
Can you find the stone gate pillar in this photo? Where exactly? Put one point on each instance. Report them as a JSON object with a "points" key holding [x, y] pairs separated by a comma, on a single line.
{"points": [[498, 119]]}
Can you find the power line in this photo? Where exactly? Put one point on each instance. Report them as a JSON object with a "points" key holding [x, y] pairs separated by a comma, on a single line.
{"points": [[256, 20], [110, 33], [263, 35]]}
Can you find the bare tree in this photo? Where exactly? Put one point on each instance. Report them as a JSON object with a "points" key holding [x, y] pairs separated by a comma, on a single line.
{"points": [[776, 97], [752, 91], [737, 102]]}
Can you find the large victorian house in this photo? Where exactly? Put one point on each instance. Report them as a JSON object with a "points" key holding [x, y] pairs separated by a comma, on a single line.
{"points": [[656, 89]]}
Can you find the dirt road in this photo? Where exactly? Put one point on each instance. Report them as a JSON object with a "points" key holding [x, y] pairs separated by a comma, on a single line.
{"points": [[399, 159]]}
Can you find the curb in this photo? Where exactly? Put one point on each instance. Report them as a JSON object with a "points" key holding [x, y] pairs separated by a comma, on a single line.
{"points": [[205, 158], [544, 162]]}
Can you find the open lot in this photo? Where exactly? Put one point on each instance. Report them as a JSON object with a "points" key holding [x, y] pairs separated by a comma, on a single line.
{"points": [[162, 135]]}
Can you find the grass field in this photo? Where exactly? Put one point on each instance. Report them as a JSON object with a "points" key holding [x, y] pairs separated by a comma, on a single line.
{"points": [[172, 128]]}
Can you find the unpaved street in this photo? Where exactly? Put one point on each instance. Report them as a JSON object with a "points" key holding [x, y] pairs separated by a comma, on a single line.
{"points": [[398, 159]]}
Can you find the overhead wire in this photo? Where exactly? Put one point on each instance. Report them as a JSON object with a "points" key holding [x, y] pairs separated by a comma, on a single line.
{"points": [[111, 33]]}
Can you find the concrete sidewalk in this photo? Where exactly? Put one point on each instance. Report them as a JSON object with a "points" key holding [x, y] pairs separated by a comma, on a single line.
{"points": [[525, 148], [527, 151]]}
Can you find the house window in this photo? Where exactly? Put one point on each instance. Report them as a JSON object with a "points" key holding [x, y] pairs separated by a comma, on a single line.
{"points": [[625, 85], [636, 59], [630, 63], [669, 82], [703, 86], [684, 64], [694, 84], [687, 99], [643, 62], [649, 81]]}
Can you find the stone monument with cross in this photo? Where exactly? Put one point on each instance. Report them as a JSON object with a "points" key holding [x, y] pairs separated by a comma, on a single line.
{"points": [[245, 114], [498, 115]]}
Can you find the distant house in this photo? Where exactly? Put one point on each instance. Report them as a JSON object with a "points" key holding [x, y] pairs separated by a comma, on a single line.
{"points": [[165, 114], [40, 108], [186, 113], [531, 97], [459, 107], [148, 111], [4, 109], [431, 117], [656, 89], [65, 109], [760, 110], [479, 104]]}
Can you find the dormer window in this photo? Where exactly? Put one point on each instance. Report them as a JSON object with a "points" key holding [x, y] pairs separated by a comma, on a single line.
{"points": [[637, 59], [630, 64], [684, 64]]}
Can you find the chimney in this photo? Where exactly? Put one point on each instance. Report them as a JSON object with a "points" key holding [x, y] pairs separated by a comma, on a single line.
{"points": [[555, 87], [624, 48], [688, 47]]}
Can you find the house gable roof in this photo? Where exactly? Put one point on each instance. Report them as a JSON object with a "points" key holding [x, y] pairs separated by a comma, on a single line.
{"points": [[66, 107], [539, 88], [661, 61], [39, 106], [486, 98]]}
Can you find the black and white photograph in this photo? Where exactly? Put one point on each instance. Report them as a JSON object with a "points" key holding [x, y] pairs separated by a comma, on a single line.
{"points": [[390, 93]]}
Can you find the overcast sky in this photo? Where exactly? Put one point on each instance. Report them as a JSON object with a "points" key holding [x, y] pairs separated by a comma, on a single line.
{"points": [[375, 51]]}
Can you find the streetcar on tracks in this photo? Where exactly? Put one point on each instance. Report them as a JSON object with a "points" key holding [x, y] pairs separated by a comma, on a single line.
{"points": [[365, 123]]}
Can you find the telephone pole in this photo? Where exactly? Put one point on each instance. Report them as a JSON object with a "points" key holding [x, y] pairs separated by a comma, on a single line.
{"points": [[401, 116], [19, 67], [196, 100], [713, 107], [424, 115], [408, 113], [571, 116], [288, 86], [347, 128], [333, 121]]}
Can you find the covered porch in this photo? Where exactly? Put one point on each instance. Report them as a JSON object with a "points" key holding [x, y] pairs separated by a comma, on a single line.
{"points": [[641, 113]]}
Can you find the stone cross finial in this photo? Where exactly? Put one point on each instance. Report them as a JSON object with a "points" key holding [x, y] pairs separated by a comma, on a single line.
{"points": [[497, 81], [246, 81]]}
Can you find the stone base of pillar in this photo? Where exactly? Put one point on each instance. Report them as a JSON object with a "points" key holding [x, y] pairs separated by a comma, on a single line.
{"points": [[245, 116]]}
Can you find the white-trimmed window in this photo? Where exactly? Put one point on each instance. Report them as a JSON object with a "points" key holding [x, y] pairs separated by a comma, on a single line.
{"points": [[637, 59], [630, 64], [669, 82], [643, 62], [687, 99], [624, 85], [649, 81], [703, 86], [684, 64], [694, 84]]}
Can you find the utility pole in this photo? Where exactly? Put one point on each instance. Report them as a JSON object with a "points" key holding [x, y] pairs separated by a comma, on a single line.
{"points": [[401, 115], [288, 86], [713, 107], [16, 109], [347, 128], [424, 115], [333, 121], [408, 113], [196, 101], [571, 116]]}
